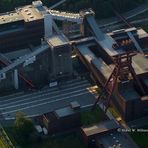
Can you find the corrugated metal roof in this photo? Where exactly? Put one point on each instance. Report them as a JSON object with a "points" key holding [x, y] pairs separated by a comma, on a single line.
{"points": [[100, 128]]}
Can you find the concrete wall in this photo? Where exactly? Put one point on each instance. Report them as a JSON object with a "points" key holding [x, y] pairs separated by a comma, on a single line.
{"points": [[43, 70], [61, 62], [30, 33], [37, 73]]}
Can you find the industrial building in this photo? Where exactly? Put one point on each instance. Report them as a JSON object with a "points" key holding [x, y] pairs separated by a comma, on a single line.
{"points": [[97, 54], [21, 27], [36, 52], [63, 119], [106, 134], [50, 58]]}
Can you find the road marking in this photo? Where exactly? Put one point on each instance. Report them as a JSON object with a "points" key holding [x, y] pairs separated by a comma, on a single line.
{"points": [[45, 99], [42, 95], [43, 91], [89, 105], [32, 106], [37, 95], [12, 95], [35, 115]]}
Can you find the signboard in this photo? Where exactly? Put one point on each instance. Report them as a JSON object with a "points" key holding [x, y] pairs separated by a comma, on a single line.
{"points": [[52, 84], [2, 76], [29, 61]]}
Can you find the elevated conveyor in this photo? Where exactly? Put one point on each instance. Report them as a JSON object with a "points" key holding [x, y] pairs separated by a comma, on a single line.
{"points": [[24, 58], [56, 27], [135, 42], [105, 41], [96, 30], [65, 16]]}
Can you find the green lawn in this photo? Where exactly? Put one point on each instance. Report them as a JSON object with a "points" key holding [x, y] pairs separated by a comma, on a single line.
{"points": [[145, 27], [2, 145], [71, 140], [141, 138], [91, 117]]}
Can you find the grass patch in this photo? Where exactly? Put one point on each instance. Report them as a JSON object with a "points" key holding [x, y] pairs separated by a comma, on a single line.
{"points": [[145, 27], [91, 117], [2, 145], [70, 140], [9, 131], [140, 138], [114, 112]]}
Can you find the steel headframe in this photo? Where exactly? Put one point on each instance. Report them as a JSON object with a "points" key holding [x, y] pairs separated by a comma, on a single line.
{"points": [[123, 67]]}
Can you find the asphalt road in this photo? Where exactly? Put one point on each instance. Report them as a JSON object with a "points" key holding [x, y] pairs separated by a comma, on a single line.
{"points": [[48, 99], [132, 13], [117, 140]]}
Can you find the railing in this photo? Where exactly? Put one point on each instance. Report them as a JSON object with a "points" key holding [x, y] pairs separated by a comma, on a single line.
{"points": [[5, 139]]}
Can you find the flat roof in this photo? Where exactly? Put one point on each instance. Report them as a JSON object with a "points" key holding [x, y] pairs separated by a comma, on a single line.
{"points": [[26, 13], [29, 13], [144, 98], [100, 128], [57, 40], [9, 17], [140, 64], [98, 62], [63, 112], [102, 67], [128, 92], [138, 32]]}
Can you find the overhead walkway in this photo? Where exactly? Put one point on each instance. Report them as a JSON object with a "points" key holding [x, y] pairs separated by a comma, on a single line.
{"points": [[65, 16]]}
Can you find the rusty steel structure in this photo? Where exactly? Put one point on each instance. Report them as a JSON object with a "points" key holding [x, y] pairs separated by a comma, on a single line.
{"points": [[123, 68]]}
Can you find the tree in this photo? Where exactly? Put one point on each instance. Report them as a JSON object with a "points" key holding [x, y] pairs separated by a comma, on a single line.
{"points": [[23, 128]]}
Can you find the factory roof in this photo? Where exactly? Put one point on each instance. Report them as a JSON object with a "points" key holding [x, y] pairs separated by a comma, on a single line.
{"points": [[122, 34], [100, 128], [140, 64], [57, 40], [98, 62], [128, 92], [9, 17], [30, 13], [26, 13], [67, 111]]}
